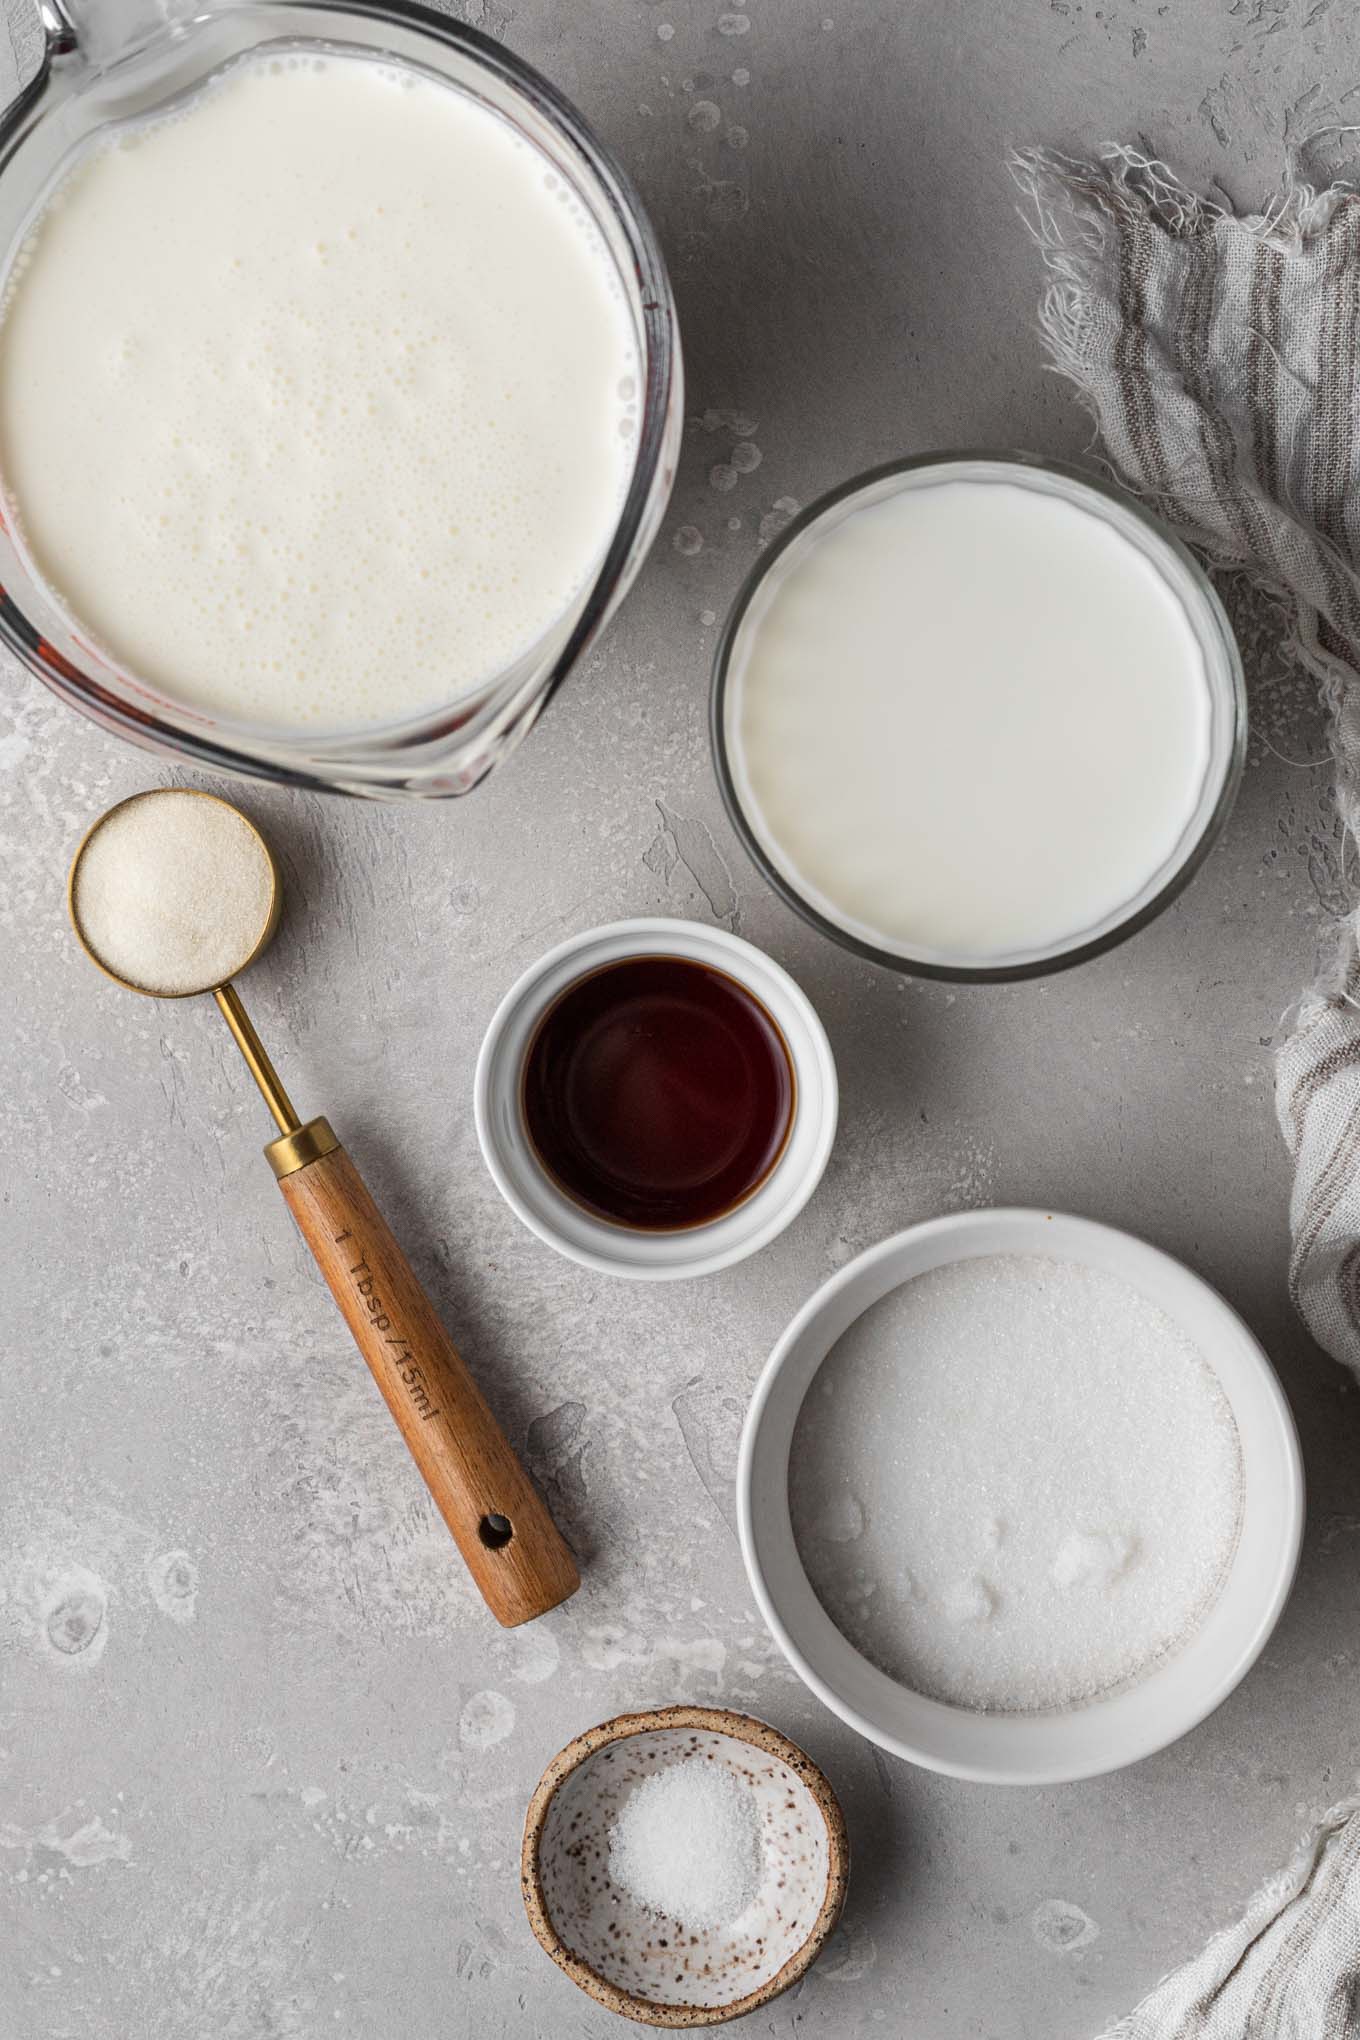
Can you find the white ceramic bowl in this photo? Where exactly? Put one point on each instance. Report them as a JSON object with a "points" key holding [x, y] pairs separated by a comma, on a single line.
{"points": [[1101, 1735], [615, 1249]]}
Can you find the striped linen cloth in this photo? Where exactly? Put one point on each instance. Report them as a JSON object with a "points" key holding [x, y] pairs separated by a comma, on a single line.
{"points": [[1287, 1971], [1219, 358]]}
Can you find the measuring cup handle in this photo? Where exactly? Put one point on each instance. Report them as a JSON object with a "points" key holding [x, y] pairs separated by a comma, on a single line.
{"points": [[511, 1545]]}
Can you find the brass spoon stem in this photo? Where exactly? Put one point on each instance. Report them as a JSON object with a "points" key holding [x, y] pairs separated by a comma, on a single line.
{"points": [[256, 1058]]}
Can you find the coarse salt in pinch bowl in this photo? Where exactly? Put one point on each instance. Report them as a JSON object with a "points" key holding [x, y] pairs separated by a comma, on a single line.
{"points": [[634, 1960]]}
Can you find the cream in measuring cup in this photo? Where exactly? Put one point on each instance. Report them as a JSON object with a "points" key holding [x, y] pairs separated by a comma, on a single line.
{"points": [[318, 394]]}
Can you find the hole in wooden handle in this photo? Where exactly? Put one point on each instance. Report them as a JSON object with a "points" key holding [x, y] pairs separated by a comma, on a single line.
{"points": [[495, 1532]]}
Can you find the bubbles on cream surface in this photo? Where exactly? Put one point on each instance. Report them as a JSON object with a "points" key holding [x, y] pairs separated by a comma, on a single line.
{"points": [[318, 395], [970, 720]]}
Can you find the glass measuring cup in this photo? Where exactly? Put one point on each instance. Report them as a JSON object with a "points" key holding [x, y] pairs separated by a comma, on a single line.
{"points": [[113, 60]]}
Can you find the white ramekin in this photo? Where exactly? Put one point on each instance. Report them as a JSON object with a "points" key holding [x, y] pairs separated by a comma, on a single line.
{"points": [[1101, 1735], [615, 1249]]}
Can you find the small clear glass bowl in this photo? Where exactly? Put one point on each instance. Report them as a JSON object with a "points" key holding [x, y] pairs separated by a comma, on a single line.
{"points": [[115, 60], [1188, 581]]}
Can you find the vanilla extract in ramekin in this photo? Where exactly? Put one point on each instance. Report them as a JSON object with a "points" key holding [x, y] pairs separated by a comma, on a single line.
{"points": [[736, 1191], [658, 1092]]}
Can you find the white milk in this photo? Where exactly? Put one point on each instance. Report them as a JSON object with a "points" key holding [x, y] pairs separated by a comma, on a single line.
{"points": [[969, 722], [318, 397]]}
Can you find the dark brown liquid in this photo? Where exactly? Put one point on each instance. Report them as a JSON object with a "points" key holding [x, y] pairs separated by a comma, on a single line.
{"points": [[658, 1093]]}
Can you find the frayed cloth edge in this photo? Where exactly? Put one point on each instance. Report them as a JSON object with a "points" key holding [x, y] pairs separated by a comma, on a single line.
{"points": [[1260, 1913]]}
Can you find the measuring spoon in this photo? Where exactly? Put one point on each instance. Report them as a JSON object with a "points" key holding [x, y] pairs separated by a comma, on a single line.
{"points": [[500, 1523]]}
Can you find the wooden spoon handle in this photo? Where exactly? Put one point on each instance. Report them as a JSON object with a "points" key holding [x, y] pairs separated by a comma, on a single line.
{"points": [[511, 1545]]}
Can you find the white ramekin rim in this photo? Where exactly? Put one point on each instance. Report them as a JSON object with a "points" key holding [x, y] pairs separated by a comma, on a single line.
{"points": [[615, 1250]]}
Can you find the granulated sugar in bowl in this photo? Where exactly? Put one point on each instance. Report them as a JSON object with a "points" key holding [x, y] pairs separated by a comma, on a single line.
{"points": [[1019, 1483], [1019, 1496]]}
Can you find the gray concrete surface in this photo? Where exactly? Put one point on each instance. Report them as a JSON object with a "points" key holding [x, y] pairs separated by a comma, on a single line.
{"points": [[279, 1792]]}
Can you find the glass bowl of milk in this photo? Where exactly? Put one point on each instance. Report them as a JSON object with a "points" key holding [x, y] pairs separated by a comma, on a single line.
{"points": [[978, 716], [340, 387]]}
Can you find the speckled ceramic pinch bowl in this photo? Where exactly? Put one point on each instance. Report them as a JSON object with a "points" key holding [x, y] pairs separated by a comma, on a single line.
{"points": [[635, 1963]]}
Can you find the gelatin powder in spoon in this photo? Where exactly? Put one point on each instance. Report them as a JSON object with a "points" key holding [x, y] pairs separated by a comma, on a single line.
{"points": [[173, 891]]}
